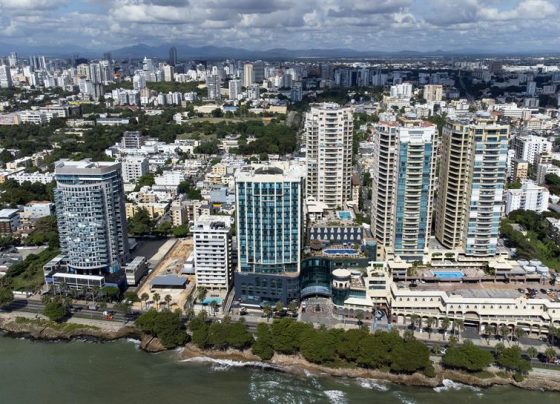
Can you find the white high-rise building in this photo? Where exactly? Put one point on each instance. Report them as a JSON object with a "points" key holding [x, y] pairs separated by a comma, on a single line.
{"points": [[528, 147], [133, 167], [212, 238], [248, 75], [403, 90], [139, 81], [89, 199], [328, 142], [5, 77], [403, 177], [234, 88], [214, 87], [168, 73], [529, 197], [472, 175]]}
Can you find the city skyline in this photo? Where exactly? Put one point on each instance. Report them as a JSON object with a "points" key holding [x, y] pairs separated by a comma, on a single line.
{"points": [[388, 25]]}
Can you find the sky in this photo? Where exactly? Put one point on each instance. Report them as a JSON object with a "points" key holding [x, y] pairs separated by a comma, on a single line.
{"points": [[384, 25]]}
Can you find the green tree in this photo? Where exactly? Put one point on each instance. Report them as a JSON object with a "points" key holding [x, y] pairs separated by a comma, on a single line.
{"points": [[410, 356], [550, 354], [467, 357], [157, 298], [6, 296], [532, 352], [511, 359], [165, 325], [55, 310], [145, 297], [140, 223], [318, 346], [263, 346]]}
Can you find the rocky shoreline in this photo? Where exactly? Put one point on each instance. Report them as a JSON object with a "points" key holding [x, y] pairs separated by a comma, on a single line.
{"points": [[297, 365], [294, 364]]}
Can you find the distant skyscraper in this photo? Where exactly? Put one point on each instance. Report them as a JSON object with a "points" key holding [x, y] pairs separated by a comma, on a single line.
{"points": [[402, 188], [269, 208], [168, 73], [172, 56], [328, 142], [258, 72], [248, 75], [234, 87], [89, 199], [12, 59], [472, 177], [213, 83], [5, 77]]}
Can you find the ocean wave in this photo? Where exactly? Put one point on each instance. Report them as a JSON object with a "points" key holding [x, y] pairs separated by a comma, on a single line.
{"points": [[404, 400], [371, 384], [447, 385], [225, 364], [336, 396]]}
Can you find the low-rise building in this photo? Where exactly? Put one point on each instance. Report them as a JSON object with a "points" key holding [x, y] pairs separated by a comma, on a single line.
{"points": [[529, 197]]}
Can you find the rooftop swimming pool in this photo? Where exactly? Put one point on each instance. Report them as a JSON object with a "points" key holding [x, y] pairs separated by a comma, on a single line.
{"points": [[340, 251], [344, 215], [448, 274]]}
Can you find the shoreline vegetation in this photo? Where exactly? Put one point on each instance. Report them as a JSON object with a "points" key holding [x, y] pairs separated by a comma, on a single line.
{"points": [[294, 362]]}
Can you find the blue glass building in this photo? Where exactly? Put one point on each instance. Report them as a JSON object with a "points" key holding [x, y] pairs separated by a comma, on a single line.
{"points": [[269, 208]]}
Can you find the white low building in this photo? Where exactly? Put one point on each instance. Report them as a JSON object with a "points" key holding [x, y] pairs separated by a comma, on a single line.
{"points": [[529, 197], [212, 252]]}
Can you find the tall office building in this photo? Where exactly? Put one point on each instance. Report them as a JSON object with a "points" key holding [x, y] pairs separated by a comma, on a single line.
{"points": [[248, 76], [269, 208], [258, 72], [89, 200], [213, 83], [168, 72], [12, 59], [172, 56], [472, 177], [5, 77], [212, 237], [234, 88], [402, 188], [328, 142]]}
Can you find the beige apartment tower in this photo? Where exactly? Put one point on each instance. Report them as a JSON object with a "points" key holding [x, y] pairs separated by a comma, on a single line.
{"points": [[328, 141]]}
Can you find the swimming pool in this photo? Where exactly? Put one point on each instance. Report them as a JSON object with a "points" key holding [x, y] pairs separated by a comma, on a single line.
{"points": [[344, 215], [448, 274], [340, 251]]}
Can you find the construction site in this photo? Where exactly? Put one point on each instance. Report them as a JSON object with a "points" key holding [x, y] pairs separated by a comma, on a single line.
{"points": [[165, 284]]}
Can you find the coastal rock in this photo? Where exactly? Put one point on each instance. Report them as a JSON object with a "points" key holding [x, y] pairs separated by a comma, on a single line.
{"points": [[151, 344]]}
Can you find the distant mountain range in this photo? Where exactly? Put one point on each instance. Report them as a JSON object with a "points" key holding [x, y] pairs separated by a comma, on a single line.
{"points": [[216, 52]]}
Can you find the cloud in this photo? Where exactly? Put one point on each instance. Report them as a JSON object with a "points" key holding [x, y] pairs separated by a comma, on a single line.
{"points": [[263, 24]]}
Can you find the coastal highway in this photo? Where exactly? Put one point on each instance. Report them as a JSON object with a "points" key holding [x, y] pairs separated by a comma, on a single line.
{"points": [[77, 310]]}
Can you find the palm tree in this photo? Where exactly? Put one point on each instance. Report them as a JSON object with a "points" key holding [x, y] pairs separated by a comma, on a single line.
{"points": [[429, 325], [293, 307], [490, 331], [167, 299], [408, 335], [145, 297], [532, 352], [156, 298], [279, 307], [553, 332], [550, 354], [267, 310], [214, 307], [360, 317], [202, 292], [503, 331], [413, 320], [518, 332], [445, 325], [459, 325]]}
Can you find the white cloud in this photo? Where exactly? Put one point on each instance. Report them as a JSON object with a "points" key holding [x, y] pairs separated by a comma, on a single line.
{"points": [[263, 24]]}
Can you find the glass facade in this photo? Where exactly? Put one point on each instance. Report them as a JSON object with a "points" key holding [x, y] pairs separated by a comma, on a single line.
{"points": [[91, 219], [269, 226]]}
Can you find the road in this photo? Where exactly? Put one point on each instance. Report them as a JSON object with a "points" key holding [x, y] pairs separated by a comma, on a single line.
{"points": [[79, 311]]}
